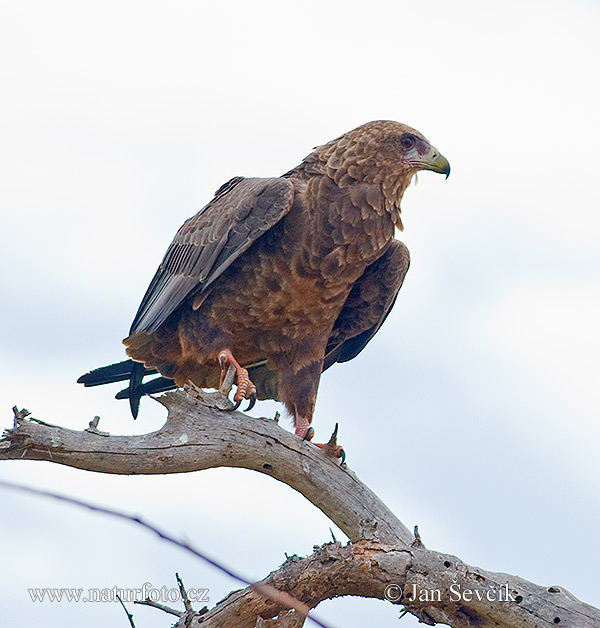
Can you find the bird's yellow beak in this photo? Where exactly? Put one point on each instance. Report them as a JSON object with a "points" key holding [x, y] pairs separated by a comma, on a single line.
{"points": [[434, 160]]}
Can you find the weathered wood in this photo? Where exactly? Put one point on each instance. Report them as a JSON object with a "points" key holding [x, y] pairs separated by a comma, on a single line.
{"points": [[383, 560], [435, 587], [197, 437]]}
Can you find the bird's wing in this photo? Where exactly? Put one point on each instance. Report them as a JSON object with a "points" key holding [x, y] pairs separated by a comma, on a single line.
{"points": [[368, 305], [206, 244]]}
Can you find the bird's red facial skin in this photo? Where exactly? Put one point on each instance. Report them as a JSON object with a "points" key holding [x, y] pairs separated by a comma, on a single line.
{"points": [[422, 148]]}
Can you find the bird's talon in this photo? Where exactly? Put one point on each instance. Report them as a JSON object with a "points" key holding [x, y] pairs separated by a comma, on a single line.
{"points": [[236, 405], [310, 432], [331, 448], [333, 440], [252, 402], [332, 451], [233, 372]]}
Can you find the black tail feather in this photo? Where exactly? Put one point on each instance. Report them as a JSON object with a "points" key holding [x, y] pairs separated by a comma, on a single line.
{"points": [[135, 387], [112, 373], [156, 385], [135, 373]]}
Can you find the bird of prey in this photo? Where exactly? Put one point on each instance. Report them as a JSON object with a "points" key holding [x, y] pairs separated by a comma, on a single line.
{"points": [[280, 278]]}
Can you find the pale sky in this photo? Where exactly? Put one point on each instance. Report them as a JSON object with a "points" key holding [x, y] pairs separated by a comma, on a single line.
{"points": [[474, 411]]}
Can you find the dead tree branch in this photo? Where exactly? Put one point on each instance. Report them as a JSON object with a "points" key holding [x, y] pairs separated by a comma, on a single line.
{"points": [[409, 578], [383, 560], [280, 598], [198, 437]]}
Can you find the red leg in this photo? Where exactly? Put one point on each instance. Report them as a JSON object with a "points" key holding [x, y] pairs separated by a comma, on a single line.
{"points": [[303, 428], [306, 432], [245, 388]]}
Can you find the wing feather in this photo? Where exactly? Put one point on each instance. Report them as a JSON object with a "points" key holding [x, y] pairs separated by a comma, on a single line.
{"points": [[206, 244], [368, 305]]}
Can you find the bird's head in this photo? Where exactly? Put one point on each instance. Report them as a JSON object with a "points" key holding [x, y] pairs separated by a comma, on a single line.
{"points": [[382, 152], [382, 148]]}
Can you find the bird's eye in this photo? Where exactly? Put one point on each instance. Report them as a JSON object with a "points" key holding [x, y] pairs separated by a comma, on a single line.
{"points": [[407, 142]]}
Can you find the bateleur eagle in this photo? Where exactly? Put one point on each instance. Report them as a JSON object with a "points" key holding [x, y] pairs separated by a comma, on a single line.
{"points": [[280, 277]]}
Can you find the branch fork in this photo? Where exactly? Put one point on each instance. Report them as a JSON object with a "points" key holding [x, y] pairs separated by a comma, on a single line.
{"points": [[383, 559]]}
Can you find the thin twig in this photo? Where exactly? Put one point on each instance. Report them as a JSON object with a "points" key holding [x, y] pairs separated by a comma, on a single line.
{"points": [[166, 609], [280, 597], [417, 542], [184, 595], [129, 615]]}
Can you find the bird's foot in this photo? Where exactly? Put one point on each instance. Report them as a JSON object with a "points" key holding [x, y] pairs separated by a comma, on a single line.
{"points": [[330, 449], [233, 372]]}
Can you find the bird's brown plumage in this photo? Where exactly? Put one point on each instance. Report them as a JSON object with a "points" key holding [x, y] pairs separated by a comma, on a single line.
{"points": [[291, 274]]}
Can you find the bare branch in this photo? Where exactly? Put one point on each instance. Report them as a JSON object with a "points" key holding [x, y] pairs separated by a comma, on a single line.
{"points": [[281, 598], [162, 607], [384, 560], [200, 437], [184, 595], [129, 615], [410, 578], [286, 619]]}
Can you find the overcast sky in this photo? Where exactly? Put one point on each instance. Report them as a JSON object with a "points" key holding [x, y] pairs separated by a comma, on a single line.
{"points": [[473, 413]]}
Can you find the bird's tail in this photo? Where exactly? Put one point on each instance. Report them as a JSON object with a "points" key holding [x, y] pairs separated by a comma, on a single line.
{"points": [[112, 373], [135, 373]]}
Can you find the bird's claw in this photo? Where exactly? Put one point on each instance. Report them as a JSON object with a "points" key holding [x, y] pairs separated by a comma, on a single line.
{"points": [[252, 402], [233, 372], [238, 403], [333, 440], [331, 448]]}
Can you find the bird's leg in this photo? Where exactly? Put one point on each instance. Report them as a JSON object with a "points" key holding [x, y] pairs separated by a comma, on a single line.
{"points": [[245, 388], [331, 448], [231, 372], [303, 428]]}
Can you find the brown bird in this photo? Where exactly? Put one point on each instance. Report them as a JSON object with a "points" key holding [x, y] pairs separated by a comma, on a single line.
{"points": [[280, 277]]}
